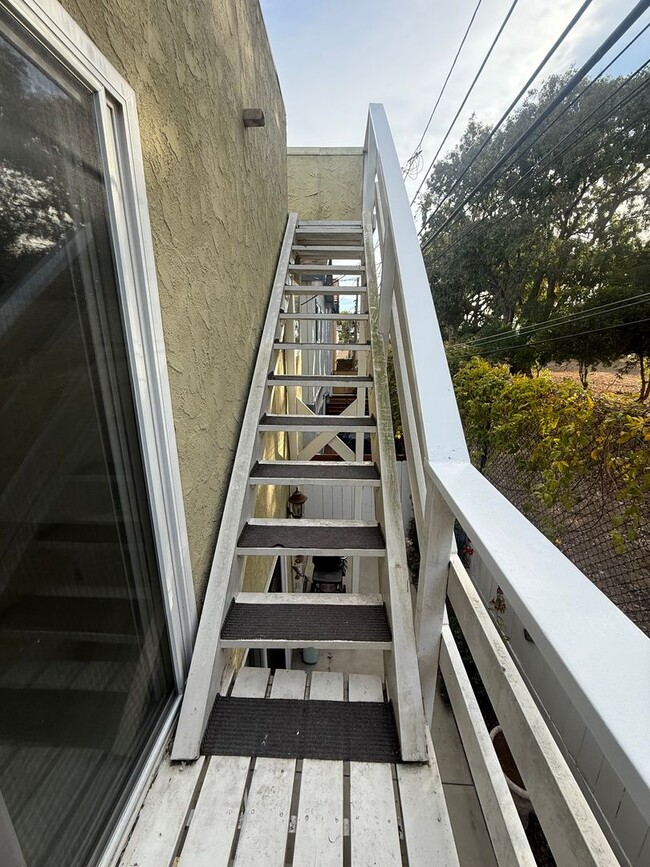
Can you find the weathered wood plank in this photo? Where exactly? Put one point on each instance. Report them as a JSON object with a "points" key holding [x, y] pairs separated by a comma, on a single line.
{"points": [[374, 834], [506, 832], [427, 829], [212, 831], [319, 832], [309, 599], [569, 825], [263, 837], [156, 834]]}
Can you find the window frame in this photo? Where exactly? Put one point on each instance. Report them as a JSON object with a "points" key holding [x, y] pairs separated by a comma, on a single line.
{"points": [[132, 248]]}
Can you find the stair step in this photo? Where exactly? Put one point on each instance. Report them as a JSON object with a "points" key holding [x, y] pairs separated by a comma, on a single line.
{"points": [[335, 347], [299, 472], [339, 379], [318, 423], [326, 290], [327, 269], [327, 317], [306, 536], [329, 251], [351, 731], [345, 622]]}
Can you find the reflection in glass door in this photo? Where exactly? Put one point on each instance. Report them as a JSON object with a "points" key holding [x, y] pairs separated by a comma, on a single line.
{"points": [[85, 667]]}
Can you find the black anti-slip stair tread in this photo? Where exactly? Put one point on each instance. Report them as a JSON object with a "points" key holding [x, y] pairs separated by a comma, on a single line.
{"points": [[297, 729], [316, 470], [297, 622], [298, 535], [346, 422]]}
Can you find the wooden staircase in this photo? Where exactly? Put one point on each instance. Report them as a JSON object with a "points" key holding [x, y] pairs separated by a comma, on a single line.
{"points": [[236, 619]]}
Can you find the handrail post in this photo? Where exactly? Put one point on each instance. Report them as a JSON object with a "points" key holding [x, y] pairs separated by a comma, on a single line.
{"points": [[435, 555]]}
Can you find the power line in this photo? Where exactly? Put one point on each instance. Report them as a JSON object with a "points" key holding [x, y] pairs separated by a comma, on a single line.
{"points": [[416, 153], [575, 79], [590, 313], [569, 337], [591, 83], [521, 93], [540, 162], [467, 96]]}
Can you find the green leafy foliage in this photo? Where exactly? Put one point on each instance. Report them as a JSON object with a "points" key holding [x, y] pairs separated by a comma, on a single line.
{"points": [[559, 434], [562, 229]]}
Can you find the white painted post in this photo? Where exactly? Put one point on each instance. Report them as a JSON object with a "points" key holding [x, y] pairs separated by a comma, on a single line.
{"points": [[435, 555]]}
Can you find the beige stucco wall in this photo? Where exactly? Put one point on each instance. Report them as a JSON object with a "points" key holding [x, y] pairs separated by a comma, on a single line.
{"points": [[218, 204], [325, 183]]}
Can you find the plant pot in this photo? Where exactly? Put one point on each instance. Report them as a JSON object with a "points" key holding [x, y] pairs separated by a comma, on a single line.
{"points": [[310, 655], [513, 778]]}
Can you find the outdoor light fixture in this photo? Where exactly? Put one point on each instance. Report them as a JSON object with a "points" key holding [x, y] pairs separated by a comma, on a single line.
{"points": [[253, 117], [296, 504]]}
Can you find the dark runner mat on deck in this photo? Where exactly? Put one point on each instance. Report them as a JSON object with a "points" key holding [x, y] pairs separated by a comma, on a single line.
{"points": [[355, 731]]}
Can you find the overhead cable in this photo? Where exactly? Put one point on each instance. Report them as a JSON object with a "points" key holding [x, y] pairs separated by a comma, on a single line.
{"points": [[415, 156], [466, 97], [575, 79]]}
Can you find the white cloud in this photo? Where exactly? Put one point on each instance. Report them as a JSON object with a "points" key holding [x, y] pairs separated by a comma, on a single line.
{"points": [[334, 57]]}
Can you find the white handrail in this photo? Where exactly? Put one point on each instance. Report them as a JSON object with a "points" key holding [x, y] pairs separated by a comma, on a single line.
{"points": [[601, 658]]}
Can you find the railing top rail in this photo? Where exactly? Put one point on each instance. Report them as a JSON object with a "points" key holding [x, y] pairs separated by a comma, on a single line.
{"points": [[435, 393]]}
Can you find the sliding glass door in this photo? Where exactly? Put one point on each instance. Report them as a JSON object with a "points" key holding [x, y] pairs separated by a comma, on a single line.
{"points": [[86, 671]]}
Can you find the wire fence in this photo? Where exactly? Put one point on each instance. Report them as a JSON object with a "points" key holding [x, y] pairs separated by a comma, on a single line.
{"points": [[584, 532]]}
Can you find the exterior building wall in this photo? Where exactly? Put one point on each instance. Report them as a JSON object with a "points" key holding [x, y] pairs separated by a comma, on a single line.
{"points": [[217, 195], [325, 183]]}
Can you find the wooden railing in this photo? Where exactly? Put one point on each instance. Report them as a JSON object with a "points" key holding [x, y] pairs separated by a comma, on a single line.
{"points": [[601, 659]]}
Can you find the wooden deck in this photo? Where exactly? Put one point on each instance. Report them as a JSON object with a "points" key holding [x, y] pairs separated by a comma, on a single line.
{"points": [[235, 810]]}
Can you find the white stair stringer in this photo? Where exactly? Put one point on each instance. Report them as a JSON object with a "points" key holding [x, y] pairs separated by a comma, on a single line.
{"points": [[383, 623]]}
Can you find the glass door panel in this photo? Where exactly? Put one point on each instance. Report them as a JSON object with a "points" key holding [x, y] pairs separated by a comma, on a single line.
{"points": [[85, 666]]}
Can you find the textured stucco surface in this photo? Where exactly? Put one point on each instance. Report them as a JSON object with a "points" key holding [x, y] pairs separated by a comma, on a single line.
{"points": [[325, 183], [218, 204]]}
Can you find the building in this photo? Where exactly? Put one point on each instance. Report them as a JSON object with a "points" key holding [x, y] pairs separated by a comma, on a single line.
{"points": [[144, 225]]}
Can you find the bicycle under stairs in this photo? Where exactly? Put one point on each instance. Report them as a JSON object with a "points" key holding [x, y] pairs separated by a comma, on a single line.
{"points": [[328, 723]]}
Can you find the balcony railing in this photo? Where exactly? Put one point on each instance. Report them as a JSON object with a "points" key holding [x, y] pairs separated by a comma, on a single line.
{"points": [[598, 657]]}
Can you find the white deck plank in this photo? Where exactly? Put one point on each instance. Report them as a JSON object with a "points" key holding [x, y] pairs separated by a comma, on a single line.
{"points": [[374, 834], [251, 683], [319, 832], [427, 829], [365, 687], [263, 838], [161, 821], [352, 599], [326, 686], [211, 834]]}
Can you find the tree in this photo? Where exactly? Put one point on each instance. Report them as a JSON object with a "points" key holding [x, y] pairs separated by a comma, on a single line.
{"points": [[556, 231]]}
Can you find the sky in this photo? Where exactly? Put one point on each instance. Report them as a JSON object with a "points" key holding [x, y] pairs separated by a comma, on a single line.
{"points": [[334, 57]]}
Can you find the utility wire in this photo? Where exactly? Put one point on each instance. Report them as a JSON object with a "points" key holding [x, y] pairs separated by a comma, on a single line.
{"points": [[575, 79], [407, 168], [569, 337], [542, 160], [591, 83], [541, 163], [590, 313], [521, 93], [467, 96]]}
